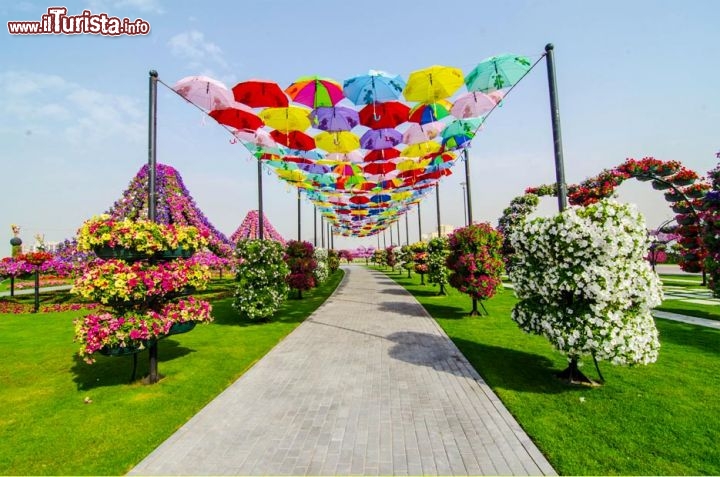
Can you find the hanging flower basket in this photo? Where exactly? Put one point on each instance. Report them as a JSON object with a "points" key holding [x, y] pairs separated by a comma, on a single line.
{"points": [[178, 252], [686, 219], [123, 350], [683, 182], [665, 170], [643, 177], [673, 196], [179, 328], [658, 185], [682, 208], [119, 253], [691, 267], [695, 193]]}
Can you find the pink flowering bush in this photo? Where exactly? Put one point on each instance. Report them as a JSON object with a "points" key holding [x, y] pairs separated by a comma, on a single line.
{"points": [[299, 257]]}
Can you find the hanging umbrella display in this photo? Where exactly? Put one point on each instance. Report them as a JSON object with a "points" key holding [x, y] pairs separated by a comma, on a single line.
{"points": [[428, 113], [379, 167], [374, 87], [341, 141], [258, 93], [380, 139], [315, 91], [204, 92], [347, 169], [473, 105], [497, 72], [294, 139], [336, 118], [334, 158], [421, 149], [359, 199], [411, 164], [382, 155], [422, 132], [384, 115], [380, 198], [258, 138], [290, 118], [460, 132], [291, 175], [433, 83], [239, 117]]}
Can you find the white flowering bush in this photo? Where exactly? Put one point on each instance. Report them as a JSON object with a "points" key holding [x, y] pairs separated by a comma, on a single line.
{"points": [[583, 283], [261, 278], [437, 255], [322, 271]]}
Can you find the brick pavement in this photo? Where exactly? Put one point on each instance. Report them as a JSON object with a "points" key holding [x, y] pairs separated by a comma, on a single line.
{"points": [[368, 385]]}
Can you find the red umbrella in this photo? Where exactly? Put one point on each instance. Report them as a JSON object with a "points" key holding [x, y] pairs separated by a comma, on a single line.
{"points": [[260, 94], [237, 118], [382, 155], [294, 139], [379, 167], [359, 199], [384, 115]]}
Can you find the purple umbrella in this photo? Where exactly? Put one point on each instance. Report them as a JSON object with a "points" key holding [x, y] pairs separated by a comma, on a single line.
{"points": [[336, 118], [380, 139]]}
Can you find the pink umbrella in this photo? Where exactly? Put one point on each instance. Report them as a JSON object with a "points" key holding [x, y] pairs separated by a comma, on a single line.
{"points": [[259, 137], [473, 105], [422, 132], [354, 157], [204, 92]]}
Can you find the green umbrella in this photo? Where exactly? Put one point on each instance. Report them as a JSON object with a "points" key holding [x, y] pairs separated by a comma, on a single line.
{"points": [[461, 127], [497, 72]]}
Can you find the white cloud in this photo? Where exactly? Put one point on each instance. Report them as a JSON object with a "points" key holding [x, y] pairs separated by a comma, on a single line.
{"points": [[110, 6], [193, 46]]}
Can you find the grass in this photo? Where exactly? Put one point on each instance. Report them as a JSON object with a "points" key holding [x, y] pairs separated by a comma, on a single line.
{"points": [[659, 419], [48, 429], [688, 283]]}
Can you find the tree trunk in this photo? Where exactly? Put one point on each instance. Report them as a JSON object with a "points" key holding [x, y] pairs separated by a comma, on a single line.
{"points": [[474, 311], [422, 279], [572, 374]]}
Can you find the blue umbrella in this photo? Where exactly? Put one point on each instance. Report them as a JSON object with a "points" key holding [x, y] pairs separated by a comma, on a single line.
{"points": [[497, 72], [374, 87]]}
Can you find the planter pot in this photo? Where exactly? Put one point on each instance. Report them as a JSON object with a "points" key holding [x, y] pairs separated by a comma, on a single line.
{"points": [[176, 253], [682, 208], [685, 219], [120, 350], [643, 178], [695, 193], [178, 328], [119, 253], [673, 196], [682, 182], [657, 185]]}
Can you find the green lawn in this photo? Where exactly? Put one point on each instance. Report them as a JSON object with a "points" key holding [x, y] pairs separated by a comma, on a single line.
{"points": [[48, 429], [688, 283], [660, 419]]}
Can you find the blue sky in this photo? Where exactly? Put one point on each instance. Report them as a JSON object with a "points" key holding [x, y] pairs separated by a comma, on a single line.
{"points": [[635, 78]]}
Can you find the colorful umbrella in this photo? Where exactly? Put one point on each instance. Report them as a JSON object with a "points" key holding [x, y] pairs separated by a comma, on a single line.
{"points": [[379, 167], [473, 105], [355, 157], [315, 91], [238, 117], [291, 175], [380, 139], [347, 169], [291, 118], [359, 199], [314, 168], [433, 83], [341, 141], [379, 198], [462, 127], [497, 72], [382, 155], [428, 113], [294, 139], [411, 164], [384, 115], [335, 118], [259, 137], [422, 132], [421, 149], [204, 92], [259, 93], [374, 87]]}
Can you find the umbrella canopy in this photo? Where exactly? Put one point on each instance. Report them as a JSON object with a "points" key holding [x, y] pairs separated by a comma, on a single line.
{"points": [[258, 93], [433, 83], [428, 113], [411, 164], [204, 92], [497, 72], [341, 141], [473, 105], [355, 157], [336, 118], [380, 139], [462, 127], [290, 118], [291, 175], [347, 169], [379, 167], [238, 117], [294, 139], [359, 199], [421, 149], [382, 155], [422, 132], [384, 115], [315, 91], [259, 137], [374, 87]]}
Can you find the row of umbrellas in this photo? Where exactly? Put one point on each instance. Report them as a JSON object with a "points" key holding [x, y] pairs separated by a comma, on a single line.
{"points": [[366, 150]]}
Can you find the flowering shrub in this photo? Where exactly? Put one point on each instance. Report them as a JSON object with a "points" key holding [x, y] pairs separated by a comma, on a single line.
{"points": [[249, 229], [142, 236], [475, 261], [185, 310], [379, 257], [711, 231], [390, 257], [420, 258], [333, 261], [437, 255], [406, 257], [300, 261], [35, 258], [584, 285], [261, 278], [11, 267], [322, 271]]}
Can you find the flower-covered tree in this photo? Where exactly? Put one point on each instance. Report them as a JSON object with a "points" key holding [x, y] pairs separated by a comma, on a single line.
{"points": [[475, 262], [379, 257], [322, 270], [302, 264], [391, 257], [420, 259], [583, 283], [261, 278], [333, 261], [406, 257], [437, 255], [711, 231]]}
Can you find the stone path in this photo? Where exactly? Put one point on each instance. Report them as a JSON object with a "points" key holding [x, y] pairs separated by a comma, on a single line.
{"points": [[368, 385]]}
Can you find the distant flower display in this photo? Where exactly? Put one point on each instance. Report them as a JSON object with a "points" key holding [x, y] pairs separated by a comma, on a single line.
{"points": [[249, 229]]}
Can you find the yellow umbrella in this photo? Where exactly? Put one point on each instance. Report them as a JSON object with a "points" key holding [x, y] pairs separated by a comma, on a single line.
{"points": [[433, 83], [340, 141], [410, 164], [421, 149], [359, 212], [291, 118], [294, 175], [401, 195]]}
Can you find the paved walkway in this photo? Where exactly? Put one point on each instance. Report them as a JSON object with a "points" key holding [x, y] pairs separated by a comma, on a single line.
{"points": [[368, 385]]}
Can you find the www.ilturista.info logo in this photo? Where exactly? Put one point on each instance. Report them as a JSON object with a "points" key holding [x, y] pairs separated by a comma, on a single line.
{"points": [[58, 22]]}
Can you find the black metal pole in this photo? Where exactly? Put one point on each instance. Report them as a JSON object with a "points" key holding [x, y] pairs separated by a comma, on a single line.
{"points": [[391, 237], [322, 232], [467, 187], [378, 239], [557, 135], [419, 224], [437, 200], [462, 184], [332, 238], [397, 229], [37, 289], [314, 226], [407, 230], [298, 197], [153, 376], [261, 219], [384, 238]]}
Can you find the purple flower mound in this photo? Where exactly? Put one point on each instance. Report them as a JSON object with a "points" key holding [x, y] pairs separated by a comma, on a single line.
{"points": [[250, 226]]}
